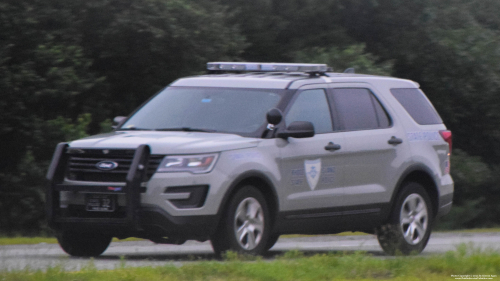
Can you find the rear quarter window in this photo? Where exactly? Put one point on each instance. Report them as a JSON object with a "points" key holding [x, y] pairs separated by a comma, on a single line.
{"points": [[417, 105]]}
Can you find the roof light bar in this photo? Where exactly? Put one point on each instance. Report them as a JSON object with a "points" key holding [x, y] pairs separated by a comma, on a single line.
{"points": [[267, 67]]}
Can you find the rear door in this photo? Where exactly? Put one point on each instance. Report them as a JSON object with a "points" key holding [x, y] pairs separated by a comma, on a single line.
{"points": [[374, 147]]}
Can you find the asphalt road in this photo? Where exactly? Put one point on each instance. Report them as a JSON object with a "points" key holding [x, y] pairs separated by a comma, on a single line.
{"points": [[145, 253]]}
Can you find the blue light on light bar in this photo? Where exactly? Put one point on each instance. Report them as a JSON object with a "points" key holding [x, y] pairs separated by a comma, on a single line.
{"points": [[267, 67]]}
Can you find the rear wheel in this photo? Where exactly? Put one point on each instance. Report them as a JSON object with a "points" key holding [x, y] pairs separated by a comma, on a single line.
{"points": [[83, 244], [409, 227], [246, 224]]}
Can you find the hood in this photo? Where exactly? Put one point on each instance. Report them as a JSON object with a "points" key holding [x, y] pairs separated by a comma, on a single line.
{"points": [[168, 142]]}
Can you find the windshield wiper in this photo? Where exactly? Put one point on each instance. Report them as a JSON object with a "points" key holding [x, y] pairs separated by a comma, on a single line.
{"points": [[133, 129], [186, 129]]}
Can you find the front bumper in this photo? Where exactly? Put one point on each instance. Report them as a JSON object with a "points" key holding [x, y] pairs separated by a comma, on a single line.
{"points": [[131, 219]]}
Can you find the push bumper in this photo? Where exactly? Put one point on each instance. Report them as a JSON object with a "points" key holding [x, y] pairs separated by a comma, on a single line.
{"points": [[148, 222]]}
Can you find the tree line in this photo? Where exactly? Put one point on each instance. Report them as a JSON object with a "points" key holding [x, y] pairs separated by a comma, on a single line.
{"points": [[68, 67]]}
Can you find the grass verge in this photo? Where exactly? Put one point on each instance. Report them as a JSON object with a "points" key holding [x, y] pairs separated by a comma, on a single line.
{"points": [[50, 240], [473, 230], [293, 265], [37, 240]]}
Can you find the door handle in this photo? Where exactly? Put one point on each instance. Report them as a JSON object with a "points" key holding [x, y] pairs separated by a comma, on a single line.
{"points": [[395, 141], [332, 146]]}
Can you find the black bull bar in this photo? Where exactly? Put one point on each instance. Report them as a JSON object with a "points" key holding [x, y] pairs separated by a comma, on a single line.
{"points": [[137, 174]]}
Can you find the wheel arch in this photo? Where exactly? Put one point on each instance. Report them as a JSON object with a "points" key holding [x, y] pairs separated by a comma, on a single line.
{"points": [[259, 181], [422, 175]]}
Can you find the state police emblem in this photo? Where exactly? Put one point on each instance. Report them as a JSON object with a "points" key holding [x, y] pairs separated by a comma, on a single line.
{"points": [[313, 172]]}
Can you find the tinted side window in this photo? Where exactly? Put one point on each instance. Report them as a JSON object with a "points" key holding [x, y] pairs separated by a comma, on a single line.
{"points": [[417, 105], [359, 109], [312, 106]]}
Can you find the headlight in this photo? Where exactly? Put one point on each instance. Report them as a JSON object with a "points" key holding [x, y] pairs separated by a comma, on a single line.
{"points": [[196, 164]]}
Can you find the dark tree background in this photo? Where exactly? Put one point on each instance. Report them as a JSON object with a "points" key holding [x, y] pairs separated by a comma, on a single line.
{"points": [[68, 67]]}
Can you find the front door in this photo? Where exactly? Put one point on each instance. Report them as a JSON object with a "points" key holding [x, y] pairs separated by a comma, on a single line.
{"points": [[312, 168]]}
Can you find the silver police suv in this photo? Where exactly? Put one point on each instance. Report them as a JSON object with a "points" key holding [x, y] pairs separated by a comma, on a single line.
{"points": [[252, 151]]}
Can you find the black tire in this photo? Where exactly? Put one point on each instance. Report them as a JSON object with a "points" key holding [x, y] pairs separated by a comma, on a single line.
{"points": [[247, 214], [83, 244], [410, 222], [272, 240]]}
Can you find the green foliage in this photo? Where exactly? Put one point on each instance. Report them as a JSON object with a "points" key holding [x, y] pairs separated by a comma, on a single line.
{"points": [[106, 126], [69, 130], [142, 46], [452, 51], [471, 213], [474, 198], [470, 172], [60, 60], [353, 56], [22, 195], [276, 30]]}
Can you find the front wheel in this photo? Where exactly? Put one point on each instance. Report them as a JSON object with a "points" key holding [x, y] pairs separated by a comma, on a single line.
{"points": [[409, 227], [272, 241], [83, 244], [245, 226]]}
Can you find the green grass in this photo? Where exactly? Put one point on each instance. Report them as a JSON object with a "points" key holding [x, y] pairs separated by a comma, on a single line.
{"points": [[473, 230], [293, 265], [37, 240], [26, 240], [50, 240], [347, 233]]}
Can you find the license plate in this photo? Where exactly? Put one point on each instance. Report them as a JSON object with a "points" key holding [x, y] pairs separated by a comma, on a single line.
{"points": [[100, 203]]}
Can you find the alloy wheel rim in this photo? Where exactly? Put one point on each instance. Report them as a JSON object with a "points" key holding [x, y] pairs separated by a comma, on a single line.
{"points": [[249, 223], [414, 219]]}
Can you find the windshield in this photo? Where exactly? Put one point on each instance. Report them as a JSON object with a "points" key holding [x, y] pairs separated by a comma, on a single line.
{"points": [[228, 110]]}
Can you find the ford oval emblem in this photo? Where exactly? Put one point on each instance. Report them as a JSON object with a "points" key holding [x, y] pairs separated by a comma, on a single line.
{"points": [[106, 165]]}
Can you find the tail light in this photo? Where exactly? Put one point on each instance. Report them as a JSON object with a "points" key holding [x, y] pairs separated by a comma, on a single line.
{"points": [[446, 135]]}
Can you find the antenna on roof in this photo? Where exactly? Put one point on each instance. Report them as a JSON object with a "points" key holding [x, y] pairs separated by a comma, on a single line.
{"points": [[349, 70]]}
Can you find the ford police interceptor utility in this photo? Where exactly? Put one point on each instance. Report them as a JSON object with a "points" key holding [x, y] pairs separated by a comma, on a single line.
{"points": [[251, 151]]}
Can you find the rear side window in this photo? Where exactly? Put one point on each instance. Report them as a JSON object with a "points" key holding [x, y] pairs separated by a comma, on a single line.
{"points": [[417, 105], [359, 109]]}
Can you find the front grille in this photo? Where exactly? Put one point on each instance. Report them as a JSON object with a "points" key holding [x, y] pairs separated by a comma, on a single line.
{"points": [[82, 164]]}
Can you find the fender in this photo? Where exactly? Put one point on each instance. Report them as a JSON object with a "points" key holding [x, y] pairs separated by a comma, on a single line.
{"points": [[416, 168], [236, 183]]}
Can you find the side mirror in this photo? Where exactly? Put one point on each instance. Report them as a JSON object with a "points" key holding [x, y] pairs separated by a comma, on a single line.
{"points": [[118, 120], [298, 129], [274, 116]]}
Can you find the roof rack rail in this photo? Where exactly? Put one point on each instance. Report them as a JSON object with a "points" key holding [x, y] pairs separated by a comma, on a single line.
{"points": [[267, 67]]}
